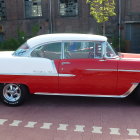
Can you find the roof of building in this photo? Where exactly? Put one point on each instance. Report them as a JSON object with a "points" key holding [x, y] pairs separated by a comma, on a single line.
{"points": [[63, 37]]}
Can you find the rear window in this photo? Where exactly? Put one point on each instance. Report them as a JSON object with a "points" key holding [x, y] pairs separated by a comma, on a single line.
{"points": [[21, 50]]}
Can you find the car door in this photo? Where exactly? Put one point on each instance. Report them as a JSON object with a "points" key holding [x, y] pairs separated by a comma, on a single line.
{"points": [[87, 71]]}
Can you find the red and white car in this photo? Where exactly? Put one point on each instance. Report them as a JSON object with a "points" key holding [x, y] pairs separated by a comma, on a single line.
{"points": [[67, 64]]}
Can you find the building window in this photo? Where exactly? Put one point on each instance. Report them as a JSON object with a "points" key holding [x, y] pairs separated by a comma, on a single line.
{"points": [[33, 8], [68, 7], [2, 10]]}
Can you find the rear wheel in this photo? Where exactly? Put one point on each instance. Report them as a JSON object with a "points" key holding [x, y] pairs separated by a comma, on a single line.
{"points": [[13, 94]]}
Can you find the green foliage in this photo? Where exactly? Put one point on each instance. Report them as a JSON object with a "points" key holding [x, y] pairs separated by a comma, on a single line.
{"points": [[10, 44], [14, 43], [22, 37], [101, 10], [35, 30]]}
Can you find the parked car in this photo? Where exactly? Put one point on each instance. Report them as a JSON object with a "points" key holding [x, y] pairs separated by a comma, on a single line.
{"points": [[67, 64]]}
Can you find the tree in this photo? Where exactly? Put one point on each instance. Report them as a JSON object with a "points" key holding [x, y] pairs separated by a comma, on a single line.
{"points": [[101, 10]]}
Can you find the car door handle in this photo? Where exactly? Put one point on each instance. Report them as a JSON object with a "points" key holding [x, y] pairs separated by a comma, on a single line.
{"points": [[64, 63]]}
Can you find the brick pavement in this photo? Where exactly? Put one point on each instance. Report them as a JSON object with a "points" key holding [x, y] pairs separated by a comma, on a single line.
{"points": [[71, 118]]}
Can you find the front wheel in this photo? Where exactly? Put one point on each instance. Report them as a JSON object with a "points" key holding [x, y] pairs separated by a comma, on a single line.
{"points": [[13, 94]]}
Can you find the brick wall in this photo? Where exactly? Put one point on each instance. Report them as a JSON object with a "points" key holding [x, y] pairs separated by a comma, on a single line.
{"points": [[83, 23]]}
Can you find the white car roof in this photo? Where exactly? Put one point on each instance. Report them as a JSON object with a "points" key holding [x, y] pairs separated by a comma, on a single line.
{"points": [[63, 37]]}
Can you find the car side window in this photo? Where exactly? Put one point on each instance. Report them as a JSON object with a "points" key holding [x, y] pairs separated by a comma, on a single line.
{"points": [[51, 51], [78, 50], [109, 51]]}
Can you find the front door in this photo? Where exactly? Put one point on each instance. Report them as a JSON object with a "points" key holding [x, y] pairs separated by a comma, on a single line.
{"points": [[87, 71]]}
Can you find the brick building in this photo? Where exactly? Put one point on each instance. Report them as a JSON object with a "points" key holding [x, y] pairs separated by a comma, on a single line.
{"points": [[59, 16]]}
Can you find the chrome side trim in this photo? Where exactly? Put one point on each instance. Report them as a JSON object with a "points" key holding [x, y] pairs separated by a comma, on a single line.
{"points": [[121, 70], [39, 74], [129, 70], [66, 75], [134, 85], [131, 89], [101, 69], [83, 95]]}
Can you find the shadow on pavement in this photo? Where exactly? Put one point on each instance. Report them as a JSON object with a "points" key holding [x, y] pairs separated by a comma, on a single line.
{"points": [[38, 100]]}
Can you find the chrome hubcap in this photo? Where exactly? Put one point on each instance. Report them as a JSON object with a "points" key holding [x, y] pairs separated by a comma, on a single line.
{"points": [[12, 92]]}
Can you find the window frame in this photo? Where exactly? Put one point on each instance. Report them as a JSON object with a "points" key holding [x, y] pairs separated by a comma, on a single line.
{"points": [[5, 11], [39, 45], [103, 50], [32, 17], [28, 54], [63, 16]]}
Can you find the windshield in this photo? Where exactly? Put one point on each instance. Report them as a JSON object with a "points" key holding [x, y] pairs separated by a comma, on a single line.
{"points": [[21, 50]]}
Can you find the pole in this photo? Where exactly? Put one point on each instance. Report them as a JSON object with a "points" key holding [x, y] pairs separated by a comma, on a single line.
{"points": [[50, 19], [103, 18], [120, 25]]}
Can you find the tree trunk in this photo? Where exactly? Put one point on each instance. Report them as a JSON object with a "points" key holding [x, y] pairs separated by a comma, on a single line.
{"points": [[103, 28]]}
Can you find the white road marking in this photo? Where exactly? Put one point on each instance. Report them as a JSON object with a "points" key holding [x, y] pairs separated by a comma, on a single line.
{"points": [[132, 132], [15, 123], [62, 127], [30, 124], [97, 129], [79, 128], [46, 126], [114, 131], [2, 121]]}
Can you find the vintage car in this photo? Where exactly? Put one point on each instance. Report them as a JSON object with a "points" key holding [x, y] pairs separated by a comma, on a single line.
{"points": [[67, 64]]}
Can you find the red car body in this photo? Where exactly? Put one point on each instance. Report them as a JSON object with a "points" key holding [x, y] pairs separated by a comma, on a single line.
{"points": [[106, 76]]}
